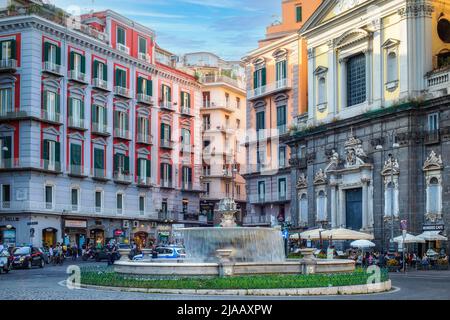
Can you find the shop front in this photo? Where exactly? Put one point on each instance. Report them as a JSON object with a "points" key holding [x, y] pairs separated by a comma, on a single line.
{"points": [[164, 232], [75, 232], [49, 237], [97, 236], [8, 235]]}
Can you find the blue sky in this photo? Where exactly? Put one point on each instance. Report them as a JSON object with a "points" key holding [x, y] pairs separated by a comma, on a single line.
{"points": [[229, 28]]}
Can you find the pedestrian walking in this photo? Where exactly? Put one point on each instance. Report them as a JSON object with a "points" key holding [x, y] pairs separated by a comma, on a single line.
{"points": [[74, 252]]}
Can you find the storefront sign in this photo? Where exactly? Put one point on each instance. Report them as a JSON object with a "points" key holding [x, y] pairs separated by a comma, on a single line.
{"points": [[433, 227], [75, 224], [118, 233], [32, 223], [10, 218]]}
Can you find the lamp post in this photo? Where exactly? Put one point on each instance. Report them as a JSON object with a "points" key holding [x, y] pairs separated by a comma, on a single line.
{"points": [[392, 158]]}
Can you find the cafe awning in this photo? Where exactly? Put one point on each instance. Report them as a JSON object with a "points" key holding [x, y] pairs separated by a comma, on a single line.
{"points": [[346, 234], [313, 234], [409, 238], [432, 236]]}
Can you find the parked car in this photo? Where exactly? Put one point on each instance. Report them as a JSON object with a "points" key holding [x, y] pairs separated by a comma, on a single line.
{"points": [[27, 257], [171, 252], [5, 261]]}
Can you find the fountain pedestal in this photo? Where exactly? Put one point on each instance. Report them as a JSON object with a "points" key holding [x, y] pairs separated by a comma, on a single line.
{"points": [[308, 262], [226, 267], [124, 253]]}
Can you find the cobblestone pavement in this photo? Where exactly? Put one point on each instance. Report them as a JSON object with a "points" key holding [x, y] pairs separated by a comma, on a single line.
{"points": [[43, 284]]}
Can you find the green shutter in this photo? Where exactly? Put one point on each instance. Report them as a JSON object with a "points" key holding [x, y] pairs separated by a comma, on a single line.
{"points": [[161, 171], [138, 125], [127, 164], [116, 161], [150, 88], [126, 122], [263, 76], [138, 167], [58, 55], [139, 84], [82, 110], [75, 154], [162, 131], [147, 163], [7, 143], [299, 14], [44, 100], [170, 172], [116, 119], [99, 159], [45, 149], [255, 79], [105, 72], [13, 49], [57, 152], [70, 107], [71, 60], [117, 75], [95, 69], [170, 94], [189, 100], [83, 64], [182, 98], [105, 115], [1, 50], [46, 51], [58, 104], [94, 114]]}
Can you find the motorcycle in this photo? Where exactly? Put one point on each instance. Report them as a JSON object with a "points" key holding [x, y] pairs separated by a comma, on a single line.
{"points": [[5, 261], [58, 259], [88, 254]]}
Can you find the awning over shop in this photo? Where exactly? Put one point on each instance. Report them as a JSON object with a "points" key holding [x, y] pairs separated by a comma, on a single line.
{"points": [[432, 236], [409, 238], [346, 234], [313, 234]]}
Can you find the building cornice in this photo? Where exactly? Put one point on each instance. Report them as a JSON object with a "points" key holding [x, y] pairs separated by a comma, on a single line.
{"points": [[270, 47]]}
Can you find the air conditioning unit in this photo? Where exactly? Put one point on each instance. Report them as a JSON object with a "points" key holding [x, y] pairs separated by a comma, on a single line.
{"points": [[126, 224], [135, 224]]}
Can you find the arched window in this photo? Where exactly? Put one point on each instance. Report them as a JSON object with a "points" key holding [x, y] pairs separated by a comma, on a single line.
{"points": [[392, 67], [321, 206], [433, 196], [322, 90], [303, 207]]}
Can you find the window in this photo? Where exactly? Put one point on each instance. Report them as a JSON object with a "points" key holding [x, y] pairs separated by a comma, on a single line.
{"points": [[121, 164], [121, 123], [6, 101], [166, 133], [185, 138], [98, 201], [186, 177], [261, 191], [433, 122], [51, 105], [5, 152], [185, 100], [227, 189], [238, 123], [49, 197], [392, 67], [281, 119], [321, 206], [145, 86], [206, 122], [206, 188], [143, 128], [77, 62], [238, 190], [119, 203], [282, 156], [143, 170], [434, 197], [206, 99], [121, 78], [301, 152], [443, 59], [141, 205], [121, 35], [259, 78], [75, 159], [227, 122], [99, 162], [52, 54], [166, 175], [391, 200], [75, 198], [282, 189], [298, 14], [142, 46], [51, 154], [303, 207], [166, 95], [76, 112], [6, 196], [238, 103], [99, 118], [185, 205], [260, 120], [280, 71], [322, 91], [356, 80], [100, 71], [8, 50], [227, 100]]}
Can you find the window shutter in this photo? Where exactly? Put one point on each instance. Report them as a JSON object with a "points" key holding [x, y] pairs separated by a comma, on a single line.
{"points": [[139, 125], [162, 131], [169, 91], [105, 72], [189, 100], [70, 107], [58, 104], [1, 50], [105, 115], [147, 163], [83, 64], [13, 49], [263, 76], [139, 84], [255, 80], [46, 51], [58, 55], [284, 64], [117, 74], [170, 172], [161, 171], [182, 98], [126, 122], [44, 100], [127, 164], [57, 152], [45, 154], [116, 119], [71, 60], [138, 167], [7, 143], [116, 162], [94, 114], [82, 110], [96, 75], [150, 88]]}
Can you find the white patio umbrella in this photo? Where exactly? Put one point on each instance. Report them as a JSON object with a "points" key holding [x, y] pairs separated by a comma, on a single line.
{"points": [[313, 234], [409, 238], [346, 234], [361, 244], [432, 236]]}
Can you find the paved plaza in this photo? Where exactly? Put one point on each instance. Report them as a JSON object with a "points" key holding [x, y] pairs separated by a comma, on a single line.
{"points": [[48, 284]]}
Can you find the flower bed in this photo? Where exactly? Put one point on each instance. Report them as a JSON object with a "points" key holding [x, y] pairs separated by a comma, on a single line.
{"points": [[107, 277]]}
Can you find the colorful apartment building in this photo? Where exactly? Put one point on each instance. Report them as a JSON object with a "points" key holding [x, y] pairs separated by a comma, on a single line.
{"points": [[223, 128], [276, 96], [99, 138]]}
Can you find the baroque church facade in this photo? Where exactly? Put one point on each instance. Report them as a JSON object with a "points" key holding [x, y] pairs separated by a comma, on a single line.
{"points": [[374, 147]]}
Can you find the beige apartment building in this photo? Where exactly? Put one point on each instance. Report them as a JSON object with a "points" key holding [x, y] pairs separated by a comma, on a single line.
{"points": [[223, 130]]}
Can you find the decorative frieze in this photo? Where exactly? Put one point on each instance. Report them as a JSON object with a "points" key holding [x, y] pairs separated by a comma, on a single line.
{"points": [[413, 10]]}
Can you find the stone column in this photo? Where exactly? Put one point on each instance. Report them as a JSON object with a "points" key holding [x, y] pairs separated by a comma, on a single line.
{"points": [[341, 214], [365, 204], [333, 204], [342, 83]]}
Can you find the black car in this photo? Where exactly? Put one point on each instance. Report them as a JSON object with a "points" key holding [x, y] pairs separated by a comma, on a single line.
{"points": [[5, 261], [27, 257]]}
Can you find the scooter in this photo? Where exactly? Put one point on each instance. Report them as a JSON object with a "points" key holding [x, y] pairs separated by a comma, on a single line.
{"points": [[5, 261], [88, 254]]}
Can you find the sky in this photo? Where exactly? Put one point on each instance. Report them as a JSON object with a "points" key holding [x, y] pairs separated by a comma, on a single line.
{"points": [[228, 28]]}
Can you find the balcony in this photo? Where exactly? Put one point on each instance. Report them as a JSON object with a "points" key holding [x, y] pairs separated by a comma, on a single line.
{"points": [[186, 111], [166, 184], [122, 92], [432, 137], [257, 220], [8, 65], [301, 163], [144, 99], [189, 217], [438, 82], [52, 68], [144, 181], [77, 76], [167, 216], [122, 177], [144, 138], [76, 123], [12, 114], [100, 129], [51, 116], [166, 144], [123, 48], [186, 186], [121, 133], [145, 57], [271, 88], [9, 163], [217, 79], [77, 171], [100, 84], [221, 195], [51, 165], [224, 106], [166, 105], [186, 148], [99, 174], [282, 129]]}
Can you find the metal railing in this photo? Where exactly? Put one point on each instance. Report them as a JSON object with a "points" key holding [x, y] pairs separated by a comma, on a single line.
{"points": [[121, 91], [123, 48], [269, 89], [144, 56], [166, 183], [121, 133], [145, 181], [8, 64], [99, 128], [186, 148], [185, 110], [99, 173], [51, 116], [144, 138], [166, 105], [221, 78], [8, 163], [100, 83], [77, 76], [122, 176], [144, 98], [256, 219], [51, 67], [186, 185], [51, 165], [77, 170], [166, 144], [76, 123], [168, 215]]}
